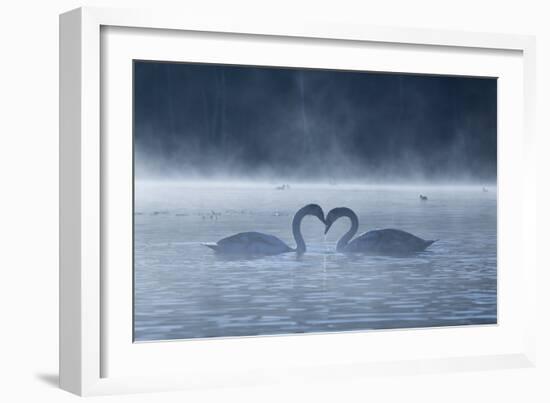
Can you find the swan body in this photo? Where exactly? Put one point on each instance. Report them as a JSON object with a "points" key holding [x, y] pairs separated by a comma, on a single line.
{"points": [[258, 244], [250, 243], [377, 242], [387, 242]]}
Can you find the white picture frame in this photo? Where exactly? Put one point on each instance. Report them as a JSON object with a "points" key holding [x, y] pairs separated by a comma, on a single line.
{"points": [[96, 356]]}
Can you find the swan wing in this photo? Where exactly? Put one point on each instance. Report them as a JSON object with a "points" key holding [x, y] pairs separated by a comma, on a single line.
{"points": [[388, 242], [251, 243]]}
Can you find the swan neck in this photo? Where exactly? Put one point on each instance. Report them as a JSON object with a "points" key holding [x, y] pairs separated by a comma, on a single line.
{"points": [[297, 230], [343, 242]]}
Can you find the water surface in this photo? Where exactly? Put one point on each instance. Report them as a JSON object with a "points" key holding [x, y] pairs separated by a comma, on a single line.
{"points": [[183, 290]]}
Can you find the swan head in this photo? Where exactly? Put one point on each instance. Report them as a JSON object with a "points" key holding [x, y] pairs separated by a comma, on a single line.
{"points": [[332, 216], [315, 210]]}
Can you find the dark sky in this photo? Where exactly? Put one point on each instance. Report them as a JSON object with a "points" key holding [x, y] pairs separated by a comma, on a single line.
{"points": [[214, 121]]}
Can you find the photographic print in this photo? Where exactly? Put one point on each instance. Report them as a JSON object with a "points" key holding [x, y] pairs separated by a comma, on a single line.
{"points": [[275, 200]]}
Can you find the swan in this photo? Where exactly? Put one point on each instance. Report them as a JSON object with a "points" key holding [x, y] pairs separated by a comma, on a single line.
{"points": [[376, 242], [257, 243]]}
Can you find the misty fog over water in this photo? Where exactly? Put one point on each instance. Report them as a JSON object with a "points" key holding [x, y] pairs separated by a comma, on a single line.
{"points": [[210, 121]]}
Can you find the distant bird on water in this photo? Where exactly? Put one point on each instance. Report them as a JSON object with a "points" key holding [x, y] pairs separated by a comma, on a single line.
{"points": [[258, 244], [376, 242], [423, 198]]}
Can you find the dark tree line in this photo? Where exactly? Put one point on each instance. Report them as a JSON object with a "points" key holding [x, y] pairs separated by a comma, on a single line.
{"points": [[213, 120]]}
